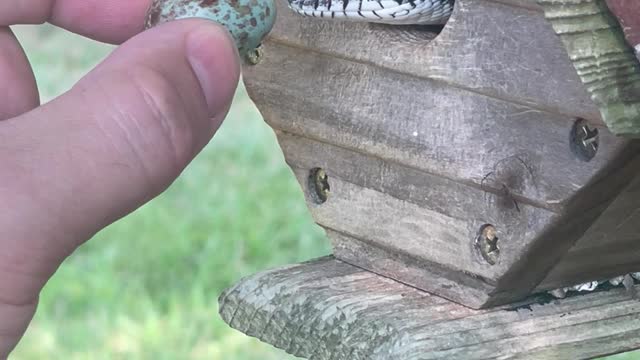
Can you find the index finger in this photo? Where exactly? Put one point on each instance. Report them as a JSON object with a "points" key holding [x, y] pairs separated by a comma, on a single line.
{"points": [[112, 21]]}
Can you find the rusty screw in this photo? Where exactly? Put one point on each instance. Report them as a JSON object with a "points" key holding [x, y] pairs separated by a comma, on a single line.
{"points": [[255, 56], [319, 183], [487, 243], [584, 140]]}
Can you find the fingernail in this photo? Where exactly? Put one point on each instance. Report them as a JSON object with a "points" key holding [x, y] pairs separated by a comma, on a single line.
{"points": [[214, 60]]}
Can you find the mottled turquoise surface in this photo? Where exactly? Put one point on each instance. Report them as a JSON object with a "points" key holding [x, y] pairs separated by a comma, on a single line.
{"points": [[248, 21]]}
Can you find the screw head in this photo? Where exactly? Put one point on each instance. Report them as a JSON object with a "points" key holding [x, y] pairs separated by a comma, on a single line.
{"points": [[584, 140], [255, 56], [486, 243], [319, 185]]}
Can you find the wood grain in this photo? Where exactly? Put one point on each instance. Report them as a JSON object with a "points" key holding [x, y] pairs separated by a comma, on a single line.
{"points": [[428, 222], [527, 4], [420, 155], [420, 228], [424, 124], [502, 51], [329, 310], [498, 170], [609, 246]]}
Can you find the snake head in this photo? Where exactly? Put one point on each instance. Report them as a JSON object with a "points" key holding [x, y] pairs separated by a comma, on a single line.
{"points": [[248, 21]]}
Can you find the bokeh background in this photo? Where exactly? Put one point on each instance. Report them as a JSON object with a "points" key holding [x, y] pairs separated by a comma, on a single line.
{"points": [[147, 286]]}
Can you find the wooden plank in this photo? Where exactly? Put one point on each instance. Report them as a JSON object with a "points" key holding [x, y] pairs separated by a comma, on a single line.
{"points": [[403, 210], [426, 125], [516, 162], [503, 51], [420, 229], [422, 155], [610, 247], [457, 286], [604, 61], [327, 309], [527, 4]]}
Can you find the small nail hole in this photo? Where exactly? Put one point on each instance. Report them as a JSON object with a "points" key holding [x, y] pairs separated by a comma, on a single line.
{"points": [[584, 140], [319, 185], [486, 243]]}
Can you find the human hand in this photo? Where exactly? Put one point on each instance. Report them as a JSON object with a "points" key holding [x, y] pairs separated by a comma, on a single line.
{"points": [[114, 141]]}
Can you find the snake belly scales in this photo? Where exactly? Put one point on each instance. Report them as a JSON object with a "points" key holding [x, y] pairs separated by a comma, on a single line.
{"points": [[249, 21], [393, 12]]}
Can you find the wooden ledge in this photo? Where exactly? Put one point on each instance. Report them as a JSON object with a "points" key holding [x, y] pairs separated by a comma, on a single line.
{"points": [[327, 309]]}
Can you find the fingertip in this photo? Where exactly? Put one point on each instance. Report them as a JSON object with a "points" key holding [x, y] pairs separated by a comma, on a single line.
{"points": [[213, 56], [18, 91], [110, 21]]}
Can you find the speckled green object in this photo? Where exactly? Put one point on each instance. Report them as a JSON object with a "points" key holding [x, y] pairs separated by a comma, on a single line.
{"points": [[248, 21]]}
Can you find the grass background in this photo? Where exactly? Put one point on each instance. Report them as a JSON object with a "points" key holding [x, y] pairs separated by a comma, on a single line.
{"points": [[147, 287]]}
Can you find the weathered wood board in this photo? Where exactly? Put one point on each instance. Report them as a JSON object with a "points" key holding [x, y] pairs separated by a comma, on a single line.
{"points": [[608, 244], [493, 48], [603, 59], [329, 310], [426, 139]]}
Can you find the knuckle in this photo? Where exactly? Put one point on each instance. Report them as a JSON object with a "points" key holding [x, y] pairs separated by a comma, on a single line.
{"points": [[151, 123], [170, 116], [35, 11]]}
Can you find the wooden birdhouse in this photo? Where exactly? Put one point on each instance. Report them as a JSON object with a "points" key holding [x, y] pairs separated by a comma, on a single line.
{"points": [[461, 173]]}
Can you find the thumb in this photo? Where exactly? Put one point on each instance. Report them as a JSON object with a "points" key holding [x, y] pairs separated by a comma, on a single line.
{"points": [[113, 142]]}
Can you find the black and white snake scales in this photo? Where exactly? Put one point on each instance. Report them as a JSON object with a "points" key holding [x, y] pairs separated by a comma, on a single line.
{"points": [[394, 12]]}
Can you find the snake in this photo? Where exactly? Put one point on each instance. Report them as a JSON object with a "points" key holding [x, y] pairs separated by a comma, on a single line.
{"points": [[392, 12], [249, 21]]}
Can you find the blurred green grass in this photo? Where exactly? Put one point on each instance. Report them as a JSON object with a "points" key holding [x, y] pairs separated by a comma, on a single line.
{"points": [[147, 286]]}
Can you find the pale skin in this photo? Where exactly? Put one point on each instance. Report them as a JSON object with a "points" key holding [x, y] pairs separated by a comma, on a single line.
{"points": [[117, 139]]}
